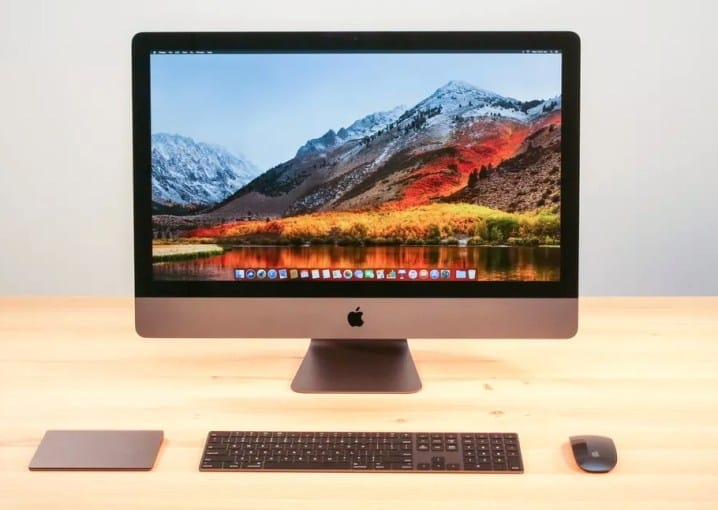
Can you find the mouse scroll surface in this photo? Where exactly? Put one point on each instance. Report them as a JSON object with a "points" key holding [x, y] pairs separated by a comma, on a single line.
{"points": [[594, 454]]}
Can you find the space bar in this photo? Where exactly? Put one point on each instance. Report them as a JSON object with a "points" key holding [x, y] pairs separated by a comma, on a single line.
{"points": [[303, 466]]}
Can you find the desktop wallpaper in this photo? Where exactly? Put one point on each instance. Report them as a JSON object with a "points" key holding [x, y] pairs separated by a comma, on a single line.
{"points": [[356, 166]]}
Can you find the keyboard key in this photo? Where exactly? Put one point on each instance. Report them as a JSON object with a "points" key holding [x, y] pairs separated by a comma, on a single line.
{"points": [[284, 465]]}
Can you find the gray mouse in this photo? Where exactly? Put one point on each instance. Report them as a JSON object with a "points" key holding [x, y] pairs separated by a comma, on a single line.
{"points": [[595, 454]]}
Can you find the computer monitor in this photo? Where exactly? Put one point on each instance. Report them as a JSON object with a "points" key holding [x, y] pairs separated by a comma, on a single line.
{"points": [[357, 189]]}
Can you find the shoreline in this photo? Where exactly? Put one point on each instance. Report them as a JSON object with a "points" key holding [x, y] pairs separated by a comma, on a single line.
{"points": [[167, 252]]}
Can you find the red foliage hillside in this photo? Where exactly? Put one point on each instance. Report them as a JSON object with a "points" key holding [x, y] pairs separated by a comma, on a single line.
{"points": [[484, 142]]}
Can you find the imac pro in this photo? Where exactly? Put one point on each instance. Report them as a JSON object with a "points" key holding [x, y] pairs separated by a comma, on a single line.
{"points": [[357, 189]]}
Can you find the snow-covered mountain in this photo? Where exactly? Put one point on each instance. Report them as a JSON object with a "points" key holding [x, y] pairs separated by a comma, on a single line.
{"points": [[456, 95], [190, 173], [457, 100], [465, 101], [408, 156], [365, 126]]}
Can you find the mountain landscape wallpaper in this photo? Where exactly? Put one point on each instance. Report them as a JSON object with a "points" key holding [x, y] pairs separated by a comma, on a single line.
{"points": [[461, 176]]}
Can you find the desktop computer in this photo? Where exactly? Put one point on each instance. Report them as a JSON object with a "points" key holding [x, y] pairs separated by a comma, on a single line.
{"points": [[356, 189]]}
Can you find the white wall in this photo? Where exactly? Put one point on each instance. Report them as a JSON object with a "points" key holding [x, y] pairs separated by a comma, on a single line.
{"points": [[649, 175]]}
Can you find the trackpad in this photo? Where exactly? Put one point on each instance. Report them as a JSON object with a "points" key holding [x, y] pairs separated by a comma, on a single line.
{"points": [[97, 449]]}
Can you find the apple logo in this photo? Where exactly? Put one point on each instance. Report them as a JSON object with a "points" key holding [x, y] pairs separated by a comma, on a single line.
{"points": [[355, 318]]}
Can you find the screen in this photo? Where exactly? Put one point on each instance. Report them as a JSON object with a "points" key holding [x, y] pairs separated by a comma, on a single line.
{"points": [[338, 167]]}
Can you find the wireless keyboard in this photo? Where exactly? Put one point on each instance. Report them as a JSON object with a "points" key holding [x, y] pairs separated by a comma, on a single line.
{"points": [[362, 451]]}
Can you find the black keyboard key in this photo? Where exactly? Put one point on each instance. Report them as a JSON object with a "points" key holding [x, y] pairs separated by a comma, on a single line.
{"points": [[222, 458], [514, 463], [337, 466]]}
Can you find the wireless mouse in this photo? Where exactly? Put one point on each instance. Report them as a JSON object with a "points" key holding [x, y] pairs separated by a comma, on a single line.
{"points": [[595, 454]]}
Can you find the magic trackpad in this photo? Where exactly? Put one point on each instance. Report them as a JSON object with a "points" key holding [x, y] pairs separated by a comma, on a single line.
{"points": [[97, 449]]}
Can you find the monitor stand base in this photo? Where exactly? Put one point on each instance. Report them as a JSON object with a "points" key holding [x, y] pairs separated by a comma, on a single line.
{"points": [[357, 366]]}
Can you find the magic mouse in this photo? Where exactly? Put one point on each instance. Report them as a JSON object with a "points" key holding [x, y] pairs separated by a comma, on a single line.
{"points": [[595, 454]]}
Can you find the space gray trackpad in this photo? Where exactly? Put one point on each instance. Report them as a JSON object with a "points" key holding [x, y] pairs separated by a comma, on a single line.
{"points": [[97, 449]]}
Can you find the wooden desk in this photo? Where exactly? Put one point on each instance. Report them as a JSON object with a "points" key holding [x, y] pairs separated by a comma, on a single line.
{"points": [[643, 371]]}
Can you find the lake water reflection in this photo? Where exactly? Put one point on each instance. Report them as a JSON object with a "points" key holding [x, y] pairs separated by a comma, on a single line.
{"points": [[494, 263]]}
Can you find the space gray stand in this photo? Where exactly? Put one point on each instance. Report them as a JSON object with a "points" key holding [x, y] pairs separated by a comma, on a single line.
{"points": [[357, 366]]}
